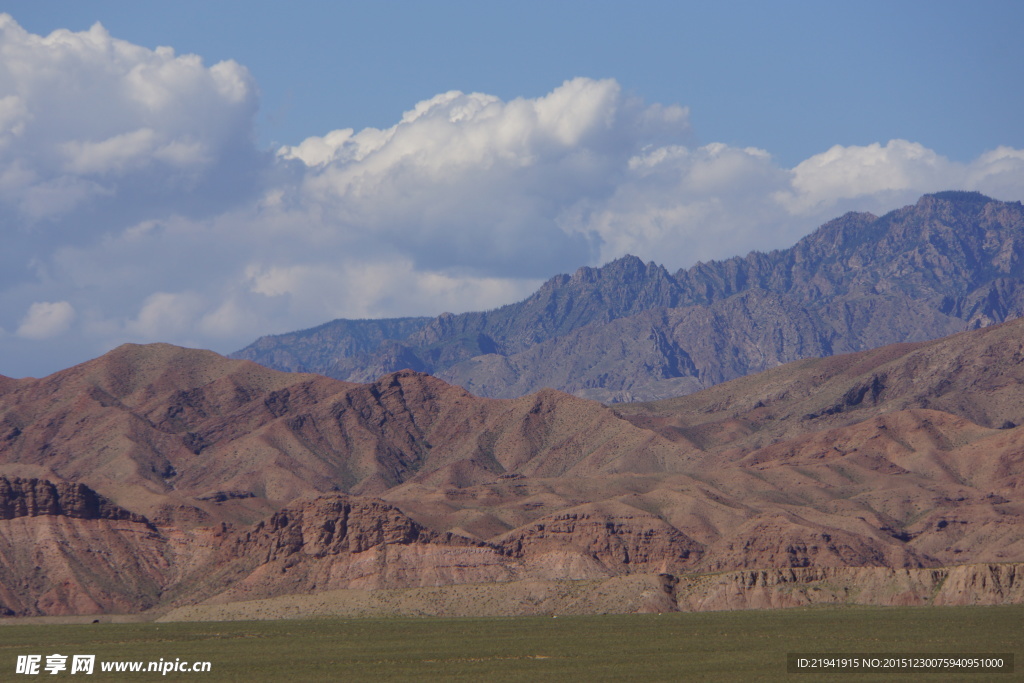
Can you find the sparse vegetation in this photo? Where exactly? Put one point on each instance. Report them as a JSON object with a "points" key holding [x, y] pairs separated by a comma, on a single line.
{"points": [[748, 645]]}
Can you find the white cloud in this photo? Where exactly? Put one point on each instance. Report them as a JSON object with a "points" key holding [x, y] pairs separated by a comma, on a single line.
{"points": [[679, 204], [470, 181], [13, 115], [883, 177], [999, 172], [848, 172], [82, 113], [46, 319], [139, 209], [166, 315], [318, 151], [362, 288], [117, 153]]}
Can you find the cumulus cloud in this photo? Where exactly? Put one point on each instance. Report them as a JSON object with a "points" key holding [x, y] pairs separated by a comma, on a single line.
{"points": [[879, 177], [849, 172], [681, 204], [999, 172], [46, 319], [470, 180], [82, 115], [140, 209]]}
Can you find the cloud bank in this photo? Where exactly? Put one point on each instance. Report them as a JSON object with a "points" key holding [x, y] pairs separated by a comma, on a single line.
{"points": [[137, 207]]}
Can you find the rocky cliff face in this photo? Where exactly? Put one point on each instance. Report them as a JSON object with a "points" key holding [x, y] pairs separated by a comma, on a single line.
{"points": [[610, 542], [984, 584], [336, 542], [333, 526], [342, 542], [64, 549], [34, 497], [634, 331]]}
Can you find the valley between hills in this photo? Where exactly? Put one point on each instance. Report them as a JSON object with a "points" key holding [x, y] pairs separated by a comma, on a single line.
{"points": [[179, 483]]}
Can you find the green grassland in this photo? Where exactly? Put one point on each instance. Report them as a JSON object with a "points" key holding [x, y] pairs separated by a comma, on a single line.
{"points": [[746, 645]]}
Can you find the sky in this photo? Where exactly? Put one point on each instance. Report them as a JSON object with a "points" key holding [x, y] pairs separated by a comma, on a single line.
{"points": [[203, 173]]}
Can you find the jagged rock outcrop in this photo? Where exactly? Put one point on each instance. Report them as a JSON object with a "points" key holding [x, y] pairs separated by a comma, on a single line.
{"points": [[335, 525], [593, 541], [35, 497], [336, 542]]}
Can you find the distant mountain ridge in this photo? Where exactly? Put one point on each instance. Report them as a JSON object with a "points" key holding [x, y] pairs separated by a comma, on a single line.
{"points": [[633, 331]]}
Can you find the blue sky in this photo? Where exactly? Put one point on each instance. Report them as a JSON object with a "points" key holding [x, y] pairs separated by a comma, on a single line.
{"points": [[275, 166]]}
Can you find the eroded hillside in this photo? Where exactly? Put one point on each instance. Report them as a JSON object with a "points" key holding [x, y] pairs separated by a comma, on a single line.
{"points": [[156, 476]]}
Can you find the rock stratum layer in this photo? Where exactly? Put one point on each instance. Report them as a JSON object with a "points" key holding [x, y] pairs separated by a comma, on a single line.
{"points": [[761, 589], [157, 477]]}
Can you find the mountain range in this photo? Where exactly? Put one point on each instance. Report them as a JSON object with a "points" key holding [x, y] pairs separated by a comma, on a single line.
{"points": [[817, 439], [632, 331], [156, 479]]}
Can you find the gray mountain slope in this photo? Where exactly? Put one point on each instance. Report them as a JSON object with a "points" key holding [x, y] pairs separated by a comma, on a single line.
{"points": [[634, 331]]}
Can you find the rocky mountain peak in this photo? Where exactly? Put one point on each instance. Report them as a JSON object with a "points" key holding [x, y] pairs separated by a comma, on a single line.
{"points": [[631, 330]]}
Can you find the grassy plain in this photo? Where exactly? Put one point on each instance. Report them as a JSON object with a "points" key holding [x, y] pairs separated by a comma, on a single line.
{"points": [[742, 645]]}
